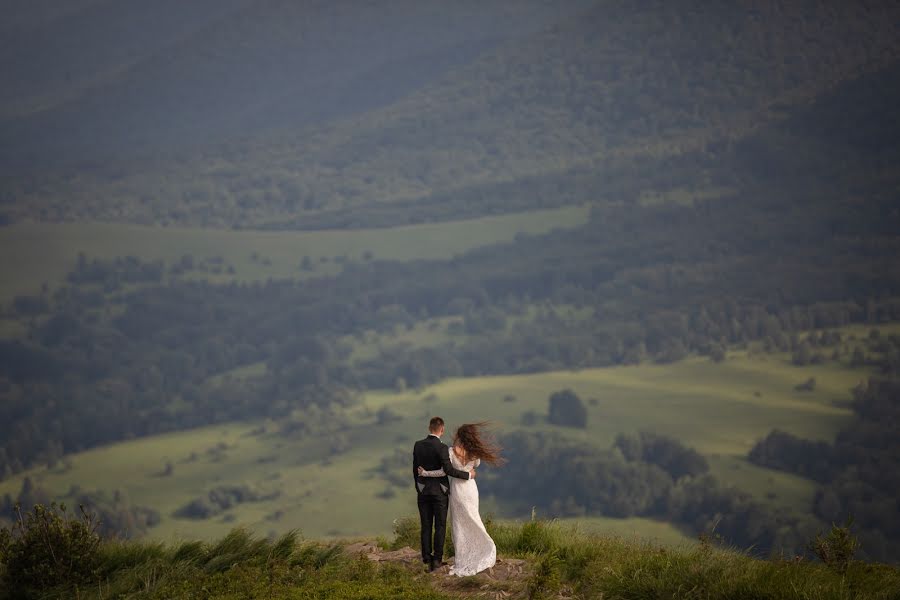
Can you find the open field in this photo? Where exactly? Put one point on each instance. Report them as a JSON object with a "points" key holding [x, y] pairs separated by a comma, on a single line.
{"points": [[720, 409], [33, 253]]}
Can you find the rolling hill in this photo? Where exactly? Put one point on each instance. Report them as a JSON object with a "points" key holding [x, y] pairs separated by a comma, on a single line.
{"points": [[127, 78], [276, 112]]}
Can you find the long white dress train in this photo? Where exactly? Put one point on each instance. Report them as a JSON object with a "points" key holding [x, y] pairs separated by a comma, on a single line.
{"points": [[475, 551]]}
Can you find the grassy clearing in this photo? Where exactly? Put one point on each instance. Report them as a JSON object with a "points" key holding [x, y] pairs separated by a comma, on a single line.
{"points": [[439, 331], [239, 373], [423, 334], [720, 409], [33, 253], [683, 196]]}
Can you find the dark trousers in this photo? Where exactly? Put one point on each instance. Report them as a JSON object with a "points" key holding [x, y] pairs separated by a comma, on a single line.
{"points": [[433, 512]]}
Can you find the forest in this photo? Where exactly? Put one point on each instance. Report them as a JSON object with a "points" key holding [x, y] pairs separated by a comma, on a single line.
{"points": [[527, 104], [645, 475], [859, 474]]}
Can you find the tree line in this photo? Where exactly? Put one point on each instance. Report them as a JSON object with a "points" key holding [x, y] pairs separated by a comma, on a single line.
{"points": [[643, 474], [859, 473]]}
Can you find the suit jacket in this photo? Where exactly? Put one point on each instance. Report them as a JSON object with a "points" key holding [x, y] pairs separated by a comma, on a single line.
{"points": [[432, 454]]}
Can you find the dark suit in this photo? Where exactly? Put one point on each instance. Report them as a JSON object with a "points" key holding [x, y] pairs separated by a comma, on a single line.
{"points": [[432, 454]]}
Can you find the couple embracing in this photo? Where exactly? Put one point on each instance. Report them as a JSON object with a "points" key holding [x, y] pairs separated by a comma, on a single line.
{"points": [[445, 479]]}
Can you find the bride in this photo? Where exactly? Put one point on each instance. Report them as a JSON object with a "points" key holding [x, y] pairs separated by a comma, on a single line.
{"points": [[475, 550]]}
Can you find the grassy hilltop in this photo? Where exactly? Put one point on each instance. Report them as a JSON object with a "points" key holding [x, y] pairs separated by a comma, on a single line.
{"points": [[537, 559]]}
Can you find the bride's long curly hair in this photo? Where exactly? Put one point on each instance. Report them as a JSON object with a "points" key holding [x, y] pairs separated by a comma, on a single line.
{"points": [[471, 438]]}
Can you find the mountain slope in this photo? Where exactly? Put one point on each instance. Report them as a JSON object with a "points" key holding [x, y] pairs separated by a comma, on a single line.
{"points": [[488, 106], [155, 76]]}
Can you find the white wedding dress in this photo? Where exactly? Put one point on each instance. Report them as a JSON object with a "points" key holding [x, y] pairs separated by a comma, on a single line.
{"points": [[475, 551]]}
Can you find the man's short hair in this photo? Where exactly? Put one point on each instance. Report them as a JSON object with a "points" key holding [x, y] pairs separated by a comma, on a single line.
{"points": [[435, 423]]}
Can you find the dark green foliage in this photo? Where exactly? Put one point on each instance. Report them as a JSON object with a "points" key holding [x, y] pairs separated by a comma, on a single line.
{"points": [[111, 275], [385, 415], [6, 540], [859, 473], [837, 547], [29, 306], [807, 386], [545, 579], [530, 418], [220, 499], [601, 79], [647, 475], [786, 452], [49, 547], [566, 408], [664, 452]]}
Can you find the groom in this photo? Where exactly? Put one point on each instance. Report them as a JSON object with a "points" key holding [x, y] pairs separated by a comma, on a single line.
{"points": [[432, 454]]}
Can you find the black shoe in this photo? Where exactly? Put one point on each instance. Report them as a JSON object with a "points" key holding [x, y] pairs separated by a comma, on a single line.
{"points": [[436, 564]]}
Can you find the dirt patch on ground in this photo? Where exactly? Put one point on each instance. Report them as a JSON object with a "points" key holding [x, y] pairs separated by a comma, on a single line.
{"points": [[507, 580]]}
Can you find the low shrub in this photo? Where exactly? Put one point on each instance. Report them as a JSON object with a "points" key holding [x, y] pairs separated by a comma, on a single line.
{"points": [[48, 547], [836, 548]]}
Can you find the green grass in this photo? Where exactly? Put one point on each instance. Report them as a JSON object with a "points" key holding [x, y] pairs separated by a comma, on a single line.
{"points": [[559, 559], [612, 567], [424, 333], [633, 528], [720, 409], [683, 196], [586, 564], [239, 565], [239, 373], [33, 253]]}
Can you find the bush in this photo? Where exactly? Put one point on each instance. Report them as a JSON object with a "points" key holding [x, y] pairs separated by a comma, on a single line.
{"points": [[545, 580], [836, 549], [49, 547], [807, 386], [567, 409], [407, 532], [385, 415]]}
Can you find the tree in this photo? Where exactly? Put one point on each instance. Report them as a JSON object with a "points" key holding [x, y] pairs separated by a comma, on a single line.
{"points": [[802, 355], [807, 386], [567, 409]]}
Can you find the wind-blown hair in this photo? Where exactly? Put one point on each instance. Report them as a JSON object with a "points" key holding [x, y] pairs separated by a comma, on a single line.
{"points": [[471, 439]]}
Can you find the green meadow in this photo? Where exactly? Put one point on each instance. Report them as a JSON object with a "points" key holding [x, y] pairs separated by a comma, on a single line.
{"points": [[719, 409], [34, 253]]}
